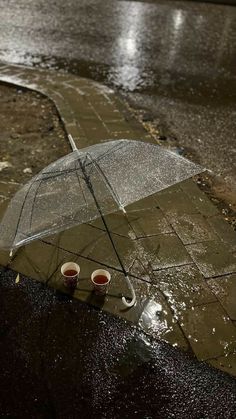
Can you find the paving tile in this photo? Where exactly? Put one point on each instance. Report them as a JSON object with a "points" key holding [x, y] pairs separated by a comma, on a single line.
{"points": [[108, 112], [209, 331], [94, 131], [78, 102], [225, 363], [117, 223], [79, 240], [149, 223], [158, 321], [118, 126], [143, 204], [224, 230], [184, 287], [138, 270], [163, 251], [212, 258], [198, 198], [37, 260], [100, 97], [225, 290], [66, 113], [127, 135], [192, 228], [173, 188], [103, 252], [176, 202], [77, 134], [204, 206]]}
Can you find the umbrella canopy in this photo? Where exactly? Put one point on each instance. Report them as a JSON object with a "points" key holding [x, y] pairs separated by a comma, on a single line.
{"points": [[89, 183]]}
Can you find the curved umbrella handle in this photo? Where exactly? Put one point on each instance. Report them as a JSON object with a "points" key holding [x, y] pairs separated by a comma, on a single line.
{"points": [[133, 301]]}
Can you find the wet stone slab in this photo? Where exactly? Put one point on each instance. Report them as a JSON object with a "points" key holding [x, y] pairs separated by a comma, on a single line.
{"points": [[143, 204], [158, 321], [212, 258], [127, 249], [209, 331], [224, 289], [224, 230], [175, 202], [193, 228], [163, 251], [184, 287], [198, 198], [149, 223], [79, 240], [117, 223]]}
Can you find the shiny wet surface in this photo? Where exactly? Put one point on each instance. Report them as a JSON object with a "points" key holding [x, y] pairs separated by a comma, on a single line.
{"points": [[64, 360], [175, 59], [182, 306]]}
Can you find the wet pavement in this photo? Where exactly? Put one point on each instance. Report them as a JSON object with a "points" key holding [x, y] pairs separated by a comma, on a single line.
{"points": [[178, 250], [61, 359], [182, 254], [175, 59]]}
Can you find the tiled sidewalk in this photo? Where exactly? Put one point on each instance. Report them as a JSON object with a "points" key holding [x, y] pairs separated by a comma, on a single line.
{"points": [[177, 248]]}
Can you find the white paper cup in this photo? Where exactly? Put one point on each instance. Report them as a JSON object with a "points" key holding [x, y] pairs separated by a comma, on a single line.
{"points": [[70, 272], [100, 280]]}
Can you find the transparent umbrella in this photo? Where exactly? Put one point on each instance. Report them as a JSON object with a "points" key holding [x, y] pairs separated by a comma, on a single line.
{"points": [[87, 184]]}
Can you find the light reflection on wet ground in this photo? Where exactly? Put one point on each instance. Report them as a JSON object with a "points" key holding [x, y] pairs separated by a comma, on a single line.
{"points": [[175, 59], [157, 247]]}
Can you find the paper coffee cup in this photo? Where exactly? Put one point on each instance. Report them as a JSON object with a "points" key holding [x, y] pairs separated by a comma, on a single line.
{"points": [[100, 280], [70, 272]]}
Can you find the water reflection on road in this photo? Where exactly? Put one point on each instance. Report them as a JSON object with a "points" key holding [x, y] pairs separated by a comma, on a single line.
{"points": [[175, 59]]}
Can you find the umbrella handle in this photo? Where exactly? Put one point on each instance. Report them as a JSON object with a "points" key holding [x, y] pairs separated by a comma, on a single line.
{"points": [[72, 142], [133, 301]]}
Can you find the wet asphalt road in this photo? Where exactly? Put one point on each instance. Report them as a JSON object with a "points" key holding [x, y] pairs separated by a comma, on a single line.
{"points": [[61, 359], [176, 59]]}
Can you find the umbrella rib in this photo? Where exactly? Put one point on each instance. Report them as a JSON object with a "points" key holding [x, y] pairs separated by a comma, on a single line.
{"points": [[61, 172], [107, 183], [87, 180], [56, 173], [40, 182], [22, 207], [31, 215], [76, 169], [107, 153]]}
